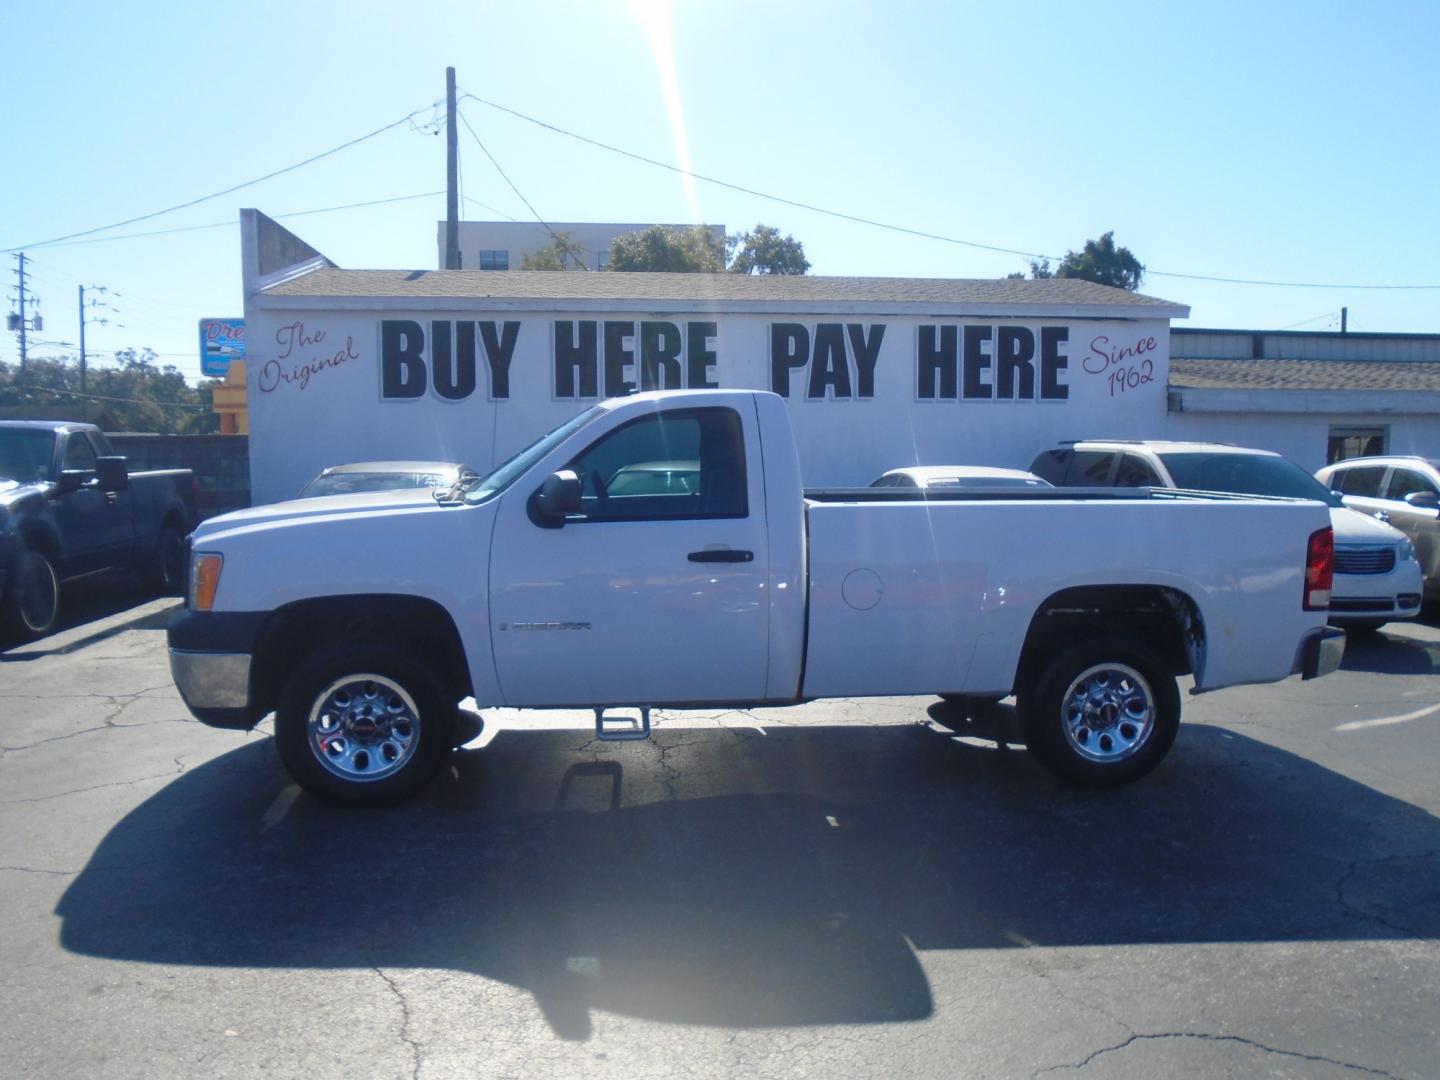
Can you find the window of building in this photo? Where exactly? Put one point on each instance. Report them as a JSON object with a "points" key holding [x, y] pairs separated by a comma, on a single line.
{"points": [[602, 259], [1353, 442], [494, 259]]}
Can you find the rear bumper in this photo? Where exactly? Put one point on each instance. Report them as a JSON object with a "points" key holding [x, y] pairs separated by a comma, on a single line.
{"points": [[1321, 653]]}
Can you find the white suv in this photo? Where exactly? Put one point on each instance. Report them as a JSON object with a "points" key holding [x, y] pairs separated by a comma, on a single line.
{"points": [[1377, 577], [1402, 491]]}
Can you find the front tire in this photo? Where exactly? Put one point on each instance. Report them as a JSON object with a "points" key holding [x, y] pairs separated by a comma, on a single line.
{"points": [[1104, 712], [33, 605], [364, 722]]}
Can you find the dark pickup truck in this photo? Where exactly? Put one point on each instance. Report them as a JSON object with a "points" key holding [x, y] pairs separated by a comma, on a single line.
{"points": [[70, 508]]}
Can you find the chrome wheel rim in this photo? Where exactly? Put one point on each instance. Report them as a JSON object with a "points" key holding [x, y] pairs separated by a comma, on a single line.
{"points": [[363, 727], [39, 593], [1108, 713]]}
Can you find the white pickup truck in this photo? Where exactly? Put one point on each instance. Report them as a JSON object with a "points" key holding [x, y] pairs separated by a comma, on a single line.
{"points": [[659, 550]]}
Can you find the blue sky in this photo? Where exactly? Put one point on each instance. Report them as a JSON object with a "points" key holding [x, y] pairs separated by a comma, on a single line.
{"points": [[1281, 142]]}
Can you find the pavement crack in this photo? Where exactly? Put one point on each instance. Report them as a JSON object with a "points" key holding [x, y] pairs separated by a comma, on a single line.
{"points": [[1356, 911], [405, 1036], [1203, 1036], [108, 725], [39, 870], [179, 768]]}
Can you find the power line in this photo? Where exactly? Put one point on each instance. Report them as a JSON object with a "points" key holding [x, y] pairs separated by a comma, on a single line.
{"points": [[1307, 322], [233, 224], [485, 206], [126, 400], [228, 191], [901, 228], [563, 245]]}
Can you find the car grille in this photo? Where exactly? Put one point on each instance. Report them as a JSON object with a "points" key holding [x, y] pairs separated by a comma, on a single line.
{"points": [[1375, 559]]}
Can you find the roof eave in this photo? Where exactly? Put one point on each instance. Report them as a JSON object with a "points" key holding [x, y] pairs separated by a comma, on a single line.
{"points": [[692, 305]]}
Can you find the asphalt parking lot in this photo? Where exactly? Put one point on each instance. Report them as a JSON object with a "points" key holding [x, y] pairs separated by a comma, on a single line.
{"points": [[867, 888]]}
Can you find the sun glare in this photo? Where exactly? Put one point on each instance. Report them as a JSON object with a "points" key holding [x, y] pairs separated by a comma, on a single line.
{"points": [[653, 17]]}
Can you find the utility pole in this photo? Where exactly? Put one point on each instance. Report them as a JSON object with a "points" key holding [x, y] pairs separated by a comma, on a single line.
{"points": [[84, 398], [84, 401], [452, 177], [24, 324]]}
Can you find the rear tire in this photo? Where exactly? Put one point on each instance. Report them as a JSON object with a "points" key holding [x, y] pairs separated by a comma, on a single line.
{"points": [[364, 722], [1103, 712], [33, 604], [166, 569]]}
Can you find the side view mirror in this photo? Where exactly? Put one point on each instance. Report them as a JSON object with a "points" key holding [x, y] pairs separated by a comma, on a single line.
{"points": [[1337, 493], [558, 496], [112, 473], [1423, 500], [72, 480]]}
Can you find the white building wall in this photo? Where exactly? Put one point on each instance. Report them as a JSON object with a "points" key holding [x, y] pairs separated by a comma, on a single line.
{"points": [[317, 394], [1304, 437]]}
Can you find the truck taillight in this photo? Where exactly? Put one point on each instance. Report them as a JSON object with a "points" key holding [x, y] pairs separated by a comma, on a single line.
{"points": [[1319, 569], [204, 580]]}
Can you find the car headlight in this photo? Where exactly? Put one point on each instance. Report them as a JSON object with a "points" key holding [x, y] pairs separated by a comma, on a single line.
{"points": [[1405, 550]]}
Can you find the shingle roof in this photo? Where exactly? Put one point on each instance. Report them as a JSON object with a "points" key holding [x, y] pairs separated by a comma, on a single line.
{"points": [[708, 290], [1304, 375]]}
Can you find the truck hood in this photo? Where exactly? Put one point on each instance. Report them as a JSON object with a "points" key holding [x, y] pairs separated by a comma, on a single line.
{"points": [[328, 506], [1353, 527], [12, 491]]}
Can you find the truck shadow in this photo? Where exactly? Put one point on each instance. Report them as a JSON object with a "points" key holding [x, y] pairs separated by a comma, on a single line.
{"points": [[90, 600], [745, 878], [1390, 651]]}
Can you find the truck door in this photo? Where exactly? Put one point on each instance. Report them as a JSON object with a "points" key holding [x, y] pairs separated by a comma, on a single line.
{"points": [[654, 592], [84, 517]]}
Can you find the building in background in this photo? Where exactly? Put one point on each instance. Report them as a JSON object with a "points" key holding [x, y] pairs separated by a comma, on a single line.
{"points": [[503, 245], [878, 373], [1314, 396]]}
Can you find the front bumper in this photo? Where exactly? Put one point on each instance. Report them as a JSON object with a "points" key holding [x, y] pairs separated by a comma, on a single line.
{"points": [[215, 686], [1321, 653], [210, 661]]}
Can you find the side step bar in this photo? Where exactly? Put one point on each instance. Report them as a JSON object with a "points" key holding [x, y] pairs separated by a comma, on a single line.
{"points": [[611, 729]]}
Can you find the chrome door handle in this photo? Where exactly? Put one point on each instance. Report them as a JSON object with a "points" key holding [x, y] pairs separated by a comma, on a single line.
{"points": [[1382, 515], [721, 555]]}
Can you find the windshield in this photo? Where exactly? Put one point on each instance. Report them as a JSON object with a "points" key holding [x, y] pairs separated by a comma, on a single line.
{"points": [[25, 455], [347, 483], [507, 473], [1246, 474]]}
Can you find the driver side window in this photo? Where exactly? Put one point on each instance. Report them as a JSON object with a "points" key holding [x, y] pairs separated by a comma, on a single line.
{"points": [[1406, 482], [79, 454], [682, 463]]}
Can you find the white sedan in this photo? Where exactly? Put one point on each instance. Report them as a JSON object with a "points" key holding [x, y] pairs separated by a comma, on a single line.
{"points": [[959, 476]]}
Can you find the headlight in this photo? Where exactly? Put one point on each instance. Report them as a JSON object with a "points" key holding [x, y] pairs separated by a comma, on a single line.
{"points": [[1405, 550], [204, 579]]}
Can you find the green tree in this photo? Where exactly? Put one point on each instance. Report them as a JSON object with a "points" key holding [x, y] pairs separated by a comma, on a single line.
{"points": [[1100, 261], [563, 253], [132, 394], [694, 250], [763, 250]]}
